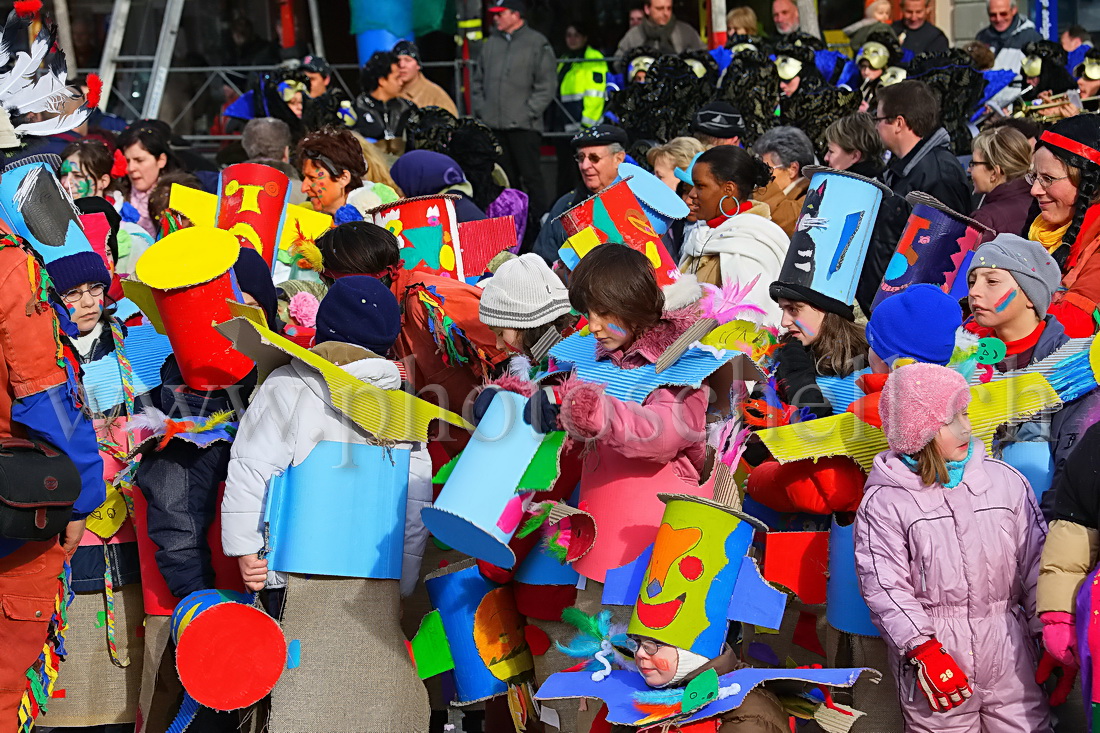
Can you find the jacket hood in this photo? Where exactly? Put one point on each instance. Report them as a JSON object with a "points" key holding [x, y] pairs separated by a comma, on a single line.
{"points": [[890, 470], [741, 235], [371, 369], [648, 347], [938, 139], [724, 663]]}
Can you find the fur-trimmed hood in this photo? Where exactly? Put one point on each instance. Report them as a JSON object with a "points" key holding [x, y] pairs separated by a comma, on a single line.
{"points": [[648, 347]]}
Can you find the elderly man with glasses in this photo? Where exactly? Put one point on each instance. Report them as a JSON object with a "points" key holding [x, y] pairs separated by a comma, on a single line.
{"points": [[599, 151], [1007, 34]]}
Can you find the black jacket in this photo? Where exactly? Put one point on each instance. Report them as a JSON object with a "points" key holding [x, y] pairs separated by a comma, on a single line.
{"points": [[382, 120], [931, 167]]}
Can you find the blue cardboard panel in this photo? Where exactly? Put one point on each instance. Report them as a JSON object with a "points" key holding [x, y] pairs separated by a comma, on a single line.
{"points": [[634, 385], [146, 350], [341, 511], [846, 610]]}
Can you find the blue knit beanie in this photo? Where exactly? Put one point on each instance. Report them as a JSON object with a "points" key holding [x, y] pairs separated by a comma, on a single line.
{"points": [[76, 269], [359, 310], [918, 323]]}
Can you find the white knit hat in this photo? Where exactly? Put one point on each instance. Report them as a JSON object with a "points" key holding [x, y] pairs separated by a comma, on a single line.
{"points": [[524, 293]]}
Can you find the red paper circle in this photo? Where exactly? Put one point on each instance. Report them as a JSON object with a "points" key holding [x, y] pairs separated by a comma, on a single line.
{"points": [[230, 656], [691, 567]]}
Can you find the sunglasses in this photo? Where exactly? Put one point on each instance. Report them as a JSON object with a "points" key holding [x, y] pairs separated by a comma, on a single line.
{"points": [[592, 158]]}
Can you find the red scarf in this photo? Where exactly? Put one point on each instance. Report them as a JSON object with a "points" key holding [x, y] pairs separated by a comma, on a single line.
{"points": [[745, 206]]}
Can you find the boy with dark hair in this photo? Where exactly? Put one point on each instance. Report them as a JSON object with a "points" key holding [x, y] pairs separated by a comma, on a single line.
{"points": [[908, 121], [382, 113]]}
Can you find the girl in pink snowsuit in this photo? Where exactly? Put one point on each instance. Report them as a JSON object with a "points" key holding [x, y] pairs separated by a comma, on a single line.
{"points": [[947, 546]]}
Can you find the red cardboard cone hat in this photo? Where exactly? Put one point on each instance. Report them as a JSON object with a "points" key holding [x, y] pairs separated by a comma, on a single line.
{"points": [[190, 274]]}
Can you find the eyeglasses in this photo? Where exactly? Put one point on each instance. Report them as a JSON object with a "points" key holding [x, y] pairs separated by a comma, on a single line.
{"points": [[1043, 179], [883, 119], [975, 163], [73, 296], [592, 158], [647, 645]]}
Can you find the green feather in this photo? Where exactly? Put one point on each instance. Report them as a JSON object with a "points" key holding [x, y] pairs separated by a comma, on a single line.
{"points": [[582, 621], [556, 549], [534, 522]]}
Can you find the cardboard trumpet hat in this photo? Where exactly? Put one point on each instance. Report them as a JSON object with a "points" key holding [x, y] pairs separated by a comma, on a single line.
{"points": [[185, 283], [35, 206], [252, 204], [830, 242], [934, 248], [616, 214], [477, 632], [229, 653], [426, 228], [479, 517]]}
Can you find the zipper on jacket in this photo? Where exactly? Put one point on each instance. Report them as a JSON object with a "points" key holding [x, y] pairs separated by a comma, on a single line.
{"points": [[923, 581]]}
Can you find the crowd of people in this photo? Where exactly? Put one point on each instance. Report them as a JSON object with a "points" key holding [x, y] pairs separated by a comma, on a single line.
{"points": [[773, 410]]}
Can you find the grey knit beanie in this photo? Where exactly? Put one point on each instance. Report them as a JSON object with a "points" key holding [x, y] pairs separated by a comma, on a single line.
{"points": [[1034, 270], [524, 293]]}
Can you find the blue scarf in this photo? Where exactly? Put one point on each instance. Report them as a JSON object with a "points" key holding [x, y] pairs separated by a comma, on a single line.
{"points": [[955, 469]]}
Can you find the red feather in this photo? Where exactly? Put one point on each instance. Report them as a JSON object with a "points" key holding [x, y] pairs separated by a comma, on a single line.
{"points": [[119, 166], [27, 7], [95, 89]]}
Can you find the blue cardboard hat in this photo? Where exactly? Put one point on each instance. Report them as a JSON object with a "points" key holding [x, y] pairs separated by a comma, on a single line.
{"points": [[39, 210], [830, 242]]}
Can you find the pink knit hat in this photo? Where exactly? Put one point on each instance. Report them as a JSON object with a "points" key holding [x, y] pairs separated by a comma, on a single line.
{"points": [[917, 401]]}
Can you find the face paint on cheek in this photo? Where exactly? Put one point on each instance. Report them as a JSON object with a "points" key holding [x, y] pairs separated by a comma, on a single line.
{"points": [[662, 665], [1004, 302], [617, 330], [806, 330], [83, 188]]}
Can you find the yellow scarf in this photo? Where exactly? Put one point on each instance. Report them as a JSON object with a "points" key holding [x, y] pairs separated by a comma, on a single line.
{"points": [[1045, 234]]}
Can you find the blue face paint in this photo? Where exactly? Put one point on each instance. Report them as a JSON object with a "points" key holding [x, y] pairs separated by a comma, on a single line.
{"points": [[617, 330], [1004, 302], [806, 330]]}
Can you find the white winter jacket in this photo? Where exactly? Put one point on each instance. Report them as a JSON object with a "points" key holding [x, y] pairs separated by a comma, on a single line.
{"points": [[746, 245], [288, 417]]}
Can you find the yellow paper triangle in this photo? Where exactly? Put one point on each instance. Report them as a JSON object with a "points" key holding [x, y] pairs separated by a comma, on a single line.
{"points": [[388, 414], [311, 223], [142, 295], [1007, 401], [108, 517]]}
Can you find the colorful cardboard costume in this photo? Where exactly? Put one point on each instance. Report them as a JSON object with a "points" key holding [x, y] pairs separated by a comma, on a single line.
{"points": [[830, 242], [388, 414], [616, 215], [698, 577], [189, 275], [934, 248], [299, 225], [685, 589], [426, 228], [252, 204], [35, 206], [477, 632]]}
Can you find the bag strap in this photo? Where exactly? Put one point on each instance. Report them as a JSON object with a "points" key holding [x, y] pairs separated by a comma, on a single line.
{"points": [[7, 443]]}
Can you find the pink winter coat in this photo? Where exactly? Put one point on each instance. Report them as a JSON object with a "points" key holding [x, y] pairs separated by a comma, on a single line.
{"points": [[959, 564], [635, 450]]}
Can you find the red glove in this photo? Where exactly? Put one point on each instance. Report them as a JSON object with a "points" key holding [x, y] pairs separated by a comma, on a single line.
{"points": [[1065, 680], [941, 679]]}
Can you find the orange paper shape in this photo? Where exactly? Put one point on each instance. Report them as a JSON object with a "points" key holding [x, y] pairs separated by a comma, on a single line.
{"points": [[798, 561]]}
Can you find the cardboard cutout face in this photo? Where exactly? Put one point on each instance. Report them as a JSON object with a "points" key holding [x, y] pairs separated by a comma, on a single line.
{"points": [[687, 587], [499, 636], [251, 205]]}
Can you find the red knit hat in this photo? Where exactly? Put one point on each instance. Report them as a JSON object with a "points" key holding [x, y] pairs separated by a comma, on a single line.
{"points": [[917, 401]]}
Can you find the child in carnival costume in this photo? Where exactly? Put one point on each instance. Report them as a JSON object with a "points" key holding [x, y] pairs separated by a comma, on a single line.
{"points": [[287, 442]]}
